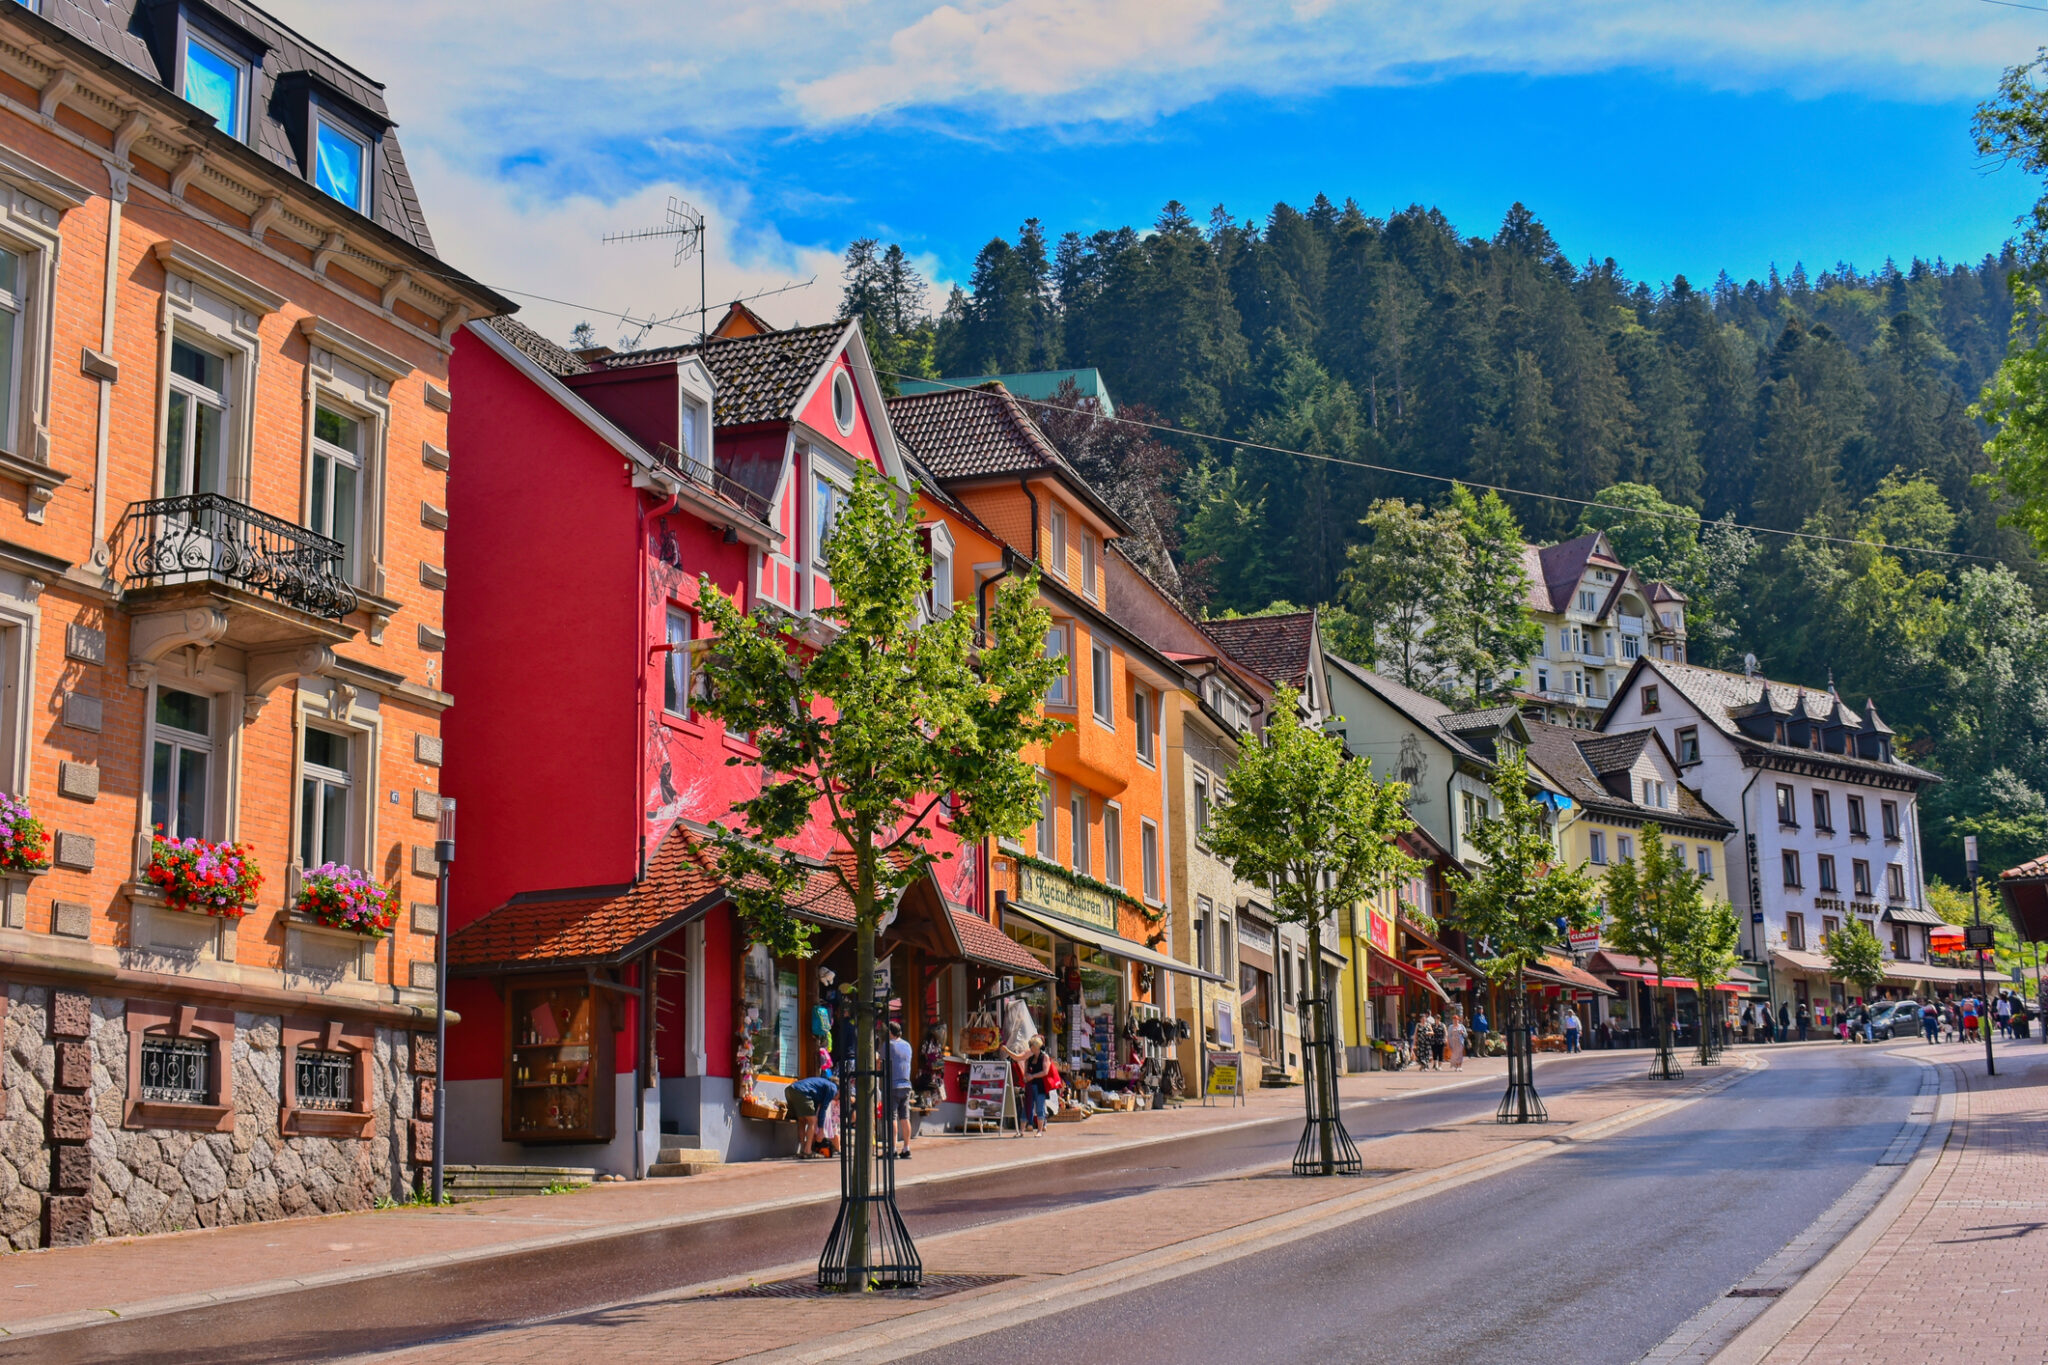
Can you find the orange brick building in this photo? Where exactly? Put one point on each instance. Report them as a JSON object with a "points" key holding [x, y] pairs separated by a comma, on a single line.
{"points": [[224, 341]]}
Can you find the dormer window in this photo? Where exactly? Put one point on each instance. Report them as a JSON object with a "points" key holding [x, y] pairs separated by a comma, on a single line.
{"points": [[216, 81], [341, 163]]}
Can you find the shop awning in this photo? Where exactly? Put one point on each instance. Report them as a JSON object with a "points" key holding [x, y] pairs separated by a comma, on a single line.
{"points": [[1415, 974], [1686, 983], [1567, 973], [1114, 944], [1812, 963], [1908, 914], [1927, 971], [1428, 940]]}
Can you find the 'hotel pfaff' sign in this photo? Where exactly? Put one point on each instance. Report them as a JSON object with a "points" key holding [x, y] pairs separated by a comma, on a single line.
{"points": [[1050, 891]]}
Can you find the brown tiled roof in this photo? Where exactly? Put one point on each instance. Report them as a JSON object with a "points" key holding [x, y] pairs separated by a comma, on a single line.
{"points": [[556, 360], [972, 433], [982, 942], [1576, 761], [593, 924], [1274, 646], [2032, 870], [759, 378], [1570, 973]]}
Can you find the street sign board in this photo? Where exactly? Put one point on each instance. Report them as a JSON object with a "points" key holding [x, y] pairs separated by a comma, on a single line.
{"points": [[1979, 936], [988, 1094], [1226, 1074], [1585, 940]]}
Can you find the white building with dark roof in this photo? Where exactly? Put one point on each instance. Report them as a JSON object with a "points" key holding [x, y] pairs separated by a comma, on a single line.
{"points": [[1598, 618], [1827, 824]]}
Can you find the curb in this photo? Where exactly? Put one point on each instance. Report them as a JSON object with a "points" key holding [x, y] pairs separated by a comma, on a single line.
{"points": [[1758, 1339], [439, 1260]]}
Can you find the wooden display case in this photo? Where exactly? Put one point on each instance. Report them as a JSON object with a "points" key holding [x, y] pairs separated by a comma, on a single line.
{"points": [[559, 1068]]}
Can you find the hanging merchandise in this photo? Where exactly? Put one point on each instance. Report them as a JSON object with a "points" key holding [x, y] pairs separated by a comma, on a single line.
{"points": [[982, 1035]]}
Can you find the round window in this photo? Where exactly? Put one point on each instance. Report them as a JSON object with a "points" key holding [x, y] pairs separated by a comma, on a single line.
{"points": [[842, 401]]}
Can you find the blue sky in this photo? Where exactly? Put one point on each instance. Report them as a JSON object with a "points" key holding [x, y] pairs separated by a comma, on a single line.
{"points": [[1673, 137]]}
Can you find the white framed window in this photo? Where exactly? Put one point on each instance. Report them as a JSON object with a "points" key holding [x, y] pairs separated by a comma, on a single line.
{"points": [[693, 431], [1101, 684], [1895, 881], [1148, 853], [196, 432], [675, 668], [218, 82], [341, 162], [1826, 864], [1823, 811], [1089, 564], [1631, 647], [1077, 815], [1542, 680], [940, 597], [1112, 843], [843, 405], [1789, 866], [1706, 861], [1059, 541], [1205, 911], [1141, 718], [1889, 812], [1625, 847], [1586, 600], [337, 481], [13, 333], [1858, 829], [1061, 692], [1201, 803], [1048, 840], [1688, 746], [1859, 871], [828, 500], [1678, 856], [1596, 848], [326, 800], [182, 769]]}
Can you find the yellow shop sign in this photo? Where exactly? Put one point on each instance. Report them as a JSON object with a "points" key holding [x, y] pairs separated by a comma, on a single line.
{"points": [[1052, 892]]}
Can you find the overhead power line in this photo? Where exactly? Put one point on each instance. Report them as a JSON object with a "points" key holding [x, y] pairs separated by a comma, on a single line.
{"points": [[1680, 515], [1169, 429]]}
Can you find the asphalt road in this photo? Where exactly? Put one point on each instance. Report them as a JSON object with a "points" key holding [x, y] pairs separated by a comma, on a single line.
{"points": [[343, 1320], [1592, 1255]]}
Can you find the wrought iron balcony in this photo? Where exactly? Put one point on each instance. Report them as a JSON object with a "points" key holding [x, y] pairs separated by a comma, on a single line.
{"points": [[700, 472], [207, 538]]}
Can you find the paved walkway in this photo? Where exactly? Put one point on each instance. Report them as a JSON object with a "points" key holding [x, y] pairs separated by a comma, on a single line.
{"points": [[131, 1275], [1960, 1273], [1053, 1260]]}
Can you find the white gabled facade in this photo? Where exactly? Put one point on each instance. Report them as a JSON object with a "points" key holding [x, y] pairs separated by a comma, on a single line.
{"points": [[1827, 823], [1598, 617]]}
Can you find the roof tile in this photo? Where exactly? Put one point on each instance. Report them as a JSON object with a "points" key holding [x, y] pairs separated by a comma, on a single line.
{"points": [[1276, 646]]}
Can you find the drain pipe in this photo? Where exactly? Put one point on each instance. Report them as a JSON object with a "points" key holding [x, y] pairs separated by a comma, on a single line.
{"points": [[1025, 484]]}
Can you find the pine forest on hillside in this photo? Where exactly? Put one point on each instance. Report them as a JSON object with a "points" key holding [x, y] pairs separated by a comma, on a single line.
{"points": [[1836, 404]]}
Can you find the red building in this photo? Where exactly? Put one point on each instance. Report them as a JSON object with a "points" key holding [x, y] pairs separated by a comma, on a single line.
{"points": [[594, 956]]}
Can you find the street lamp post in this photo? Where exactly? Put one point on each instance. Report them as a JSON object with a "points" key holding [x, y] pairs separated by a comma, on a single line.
{"points": [[444, 857], [1979, 937]]}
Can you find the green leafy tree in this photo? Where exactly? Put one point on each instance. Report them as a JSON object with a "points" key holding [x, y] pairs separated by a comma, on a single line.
{"points": [[1486, 630], [1303, 817], [1706, 954], [2013, 127], [1654, 906], [1855, 955], [1524, 896], [1398, 583], [867, 733]]}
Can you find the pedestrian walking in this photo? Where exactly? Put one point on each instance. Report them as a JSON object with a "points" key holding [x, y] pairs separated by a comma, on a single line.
{"points": [[1930, 1020], [1458, 1040], [1479, 1025], [1969, 1018], [1805, 1017], [1037, 1072], [1571, 1030], [900, 1060], [1784, 1022], [2004, 1008]]}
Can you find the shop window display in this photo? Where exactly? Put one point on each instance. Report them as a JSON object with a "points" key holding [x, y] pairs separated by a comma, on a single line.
{"points": [[559, 1076]]}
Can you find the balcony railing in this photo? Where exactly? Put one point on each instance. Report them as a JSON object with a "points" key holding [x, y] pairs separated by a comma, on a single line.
{"points": [[207, 538], [701, 473]]}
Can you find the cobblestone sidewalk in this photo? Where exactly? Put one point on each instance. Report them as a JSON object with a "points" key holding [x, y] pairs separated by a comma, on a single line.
{"points": [[1961, 1273], [42, 1289]]}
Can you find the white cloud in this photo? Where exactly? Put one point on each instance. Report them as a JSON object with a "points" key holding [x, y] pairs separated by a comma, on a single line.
{"points": [[534, 127], [528, 245]]}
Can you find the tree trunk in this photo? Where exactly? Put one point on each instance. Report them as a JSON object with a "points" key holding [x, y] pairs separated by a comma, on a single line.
{"points": [[1317, 1056], [863, 1135]]}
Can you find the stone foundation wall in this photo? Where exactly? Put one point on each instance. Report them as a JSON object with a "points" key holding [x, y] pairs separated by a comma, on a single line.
{"points": [[70, 1173]]}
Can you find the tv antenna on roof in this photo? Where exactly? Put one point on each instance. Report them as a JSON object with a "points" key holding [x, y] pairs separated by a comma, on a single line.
{"points": [[686, 228]]}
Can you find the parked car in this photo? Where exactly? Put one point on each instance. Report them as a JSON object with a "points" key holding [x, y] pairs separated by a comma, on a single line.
{"points": [[1895, 1019]]}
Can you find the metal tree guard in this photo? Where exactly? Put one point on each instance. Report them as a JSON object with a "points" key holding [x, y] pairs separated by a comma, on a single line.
{"points": [[1664, 1066], [1325, 1126], [1521, 1103], [887, 1259]]}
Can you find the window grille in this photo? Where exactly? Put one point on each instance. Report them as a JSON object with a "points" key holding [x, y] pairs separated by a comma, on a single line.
{"points": [[325, 1080], [174, 1070]]}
